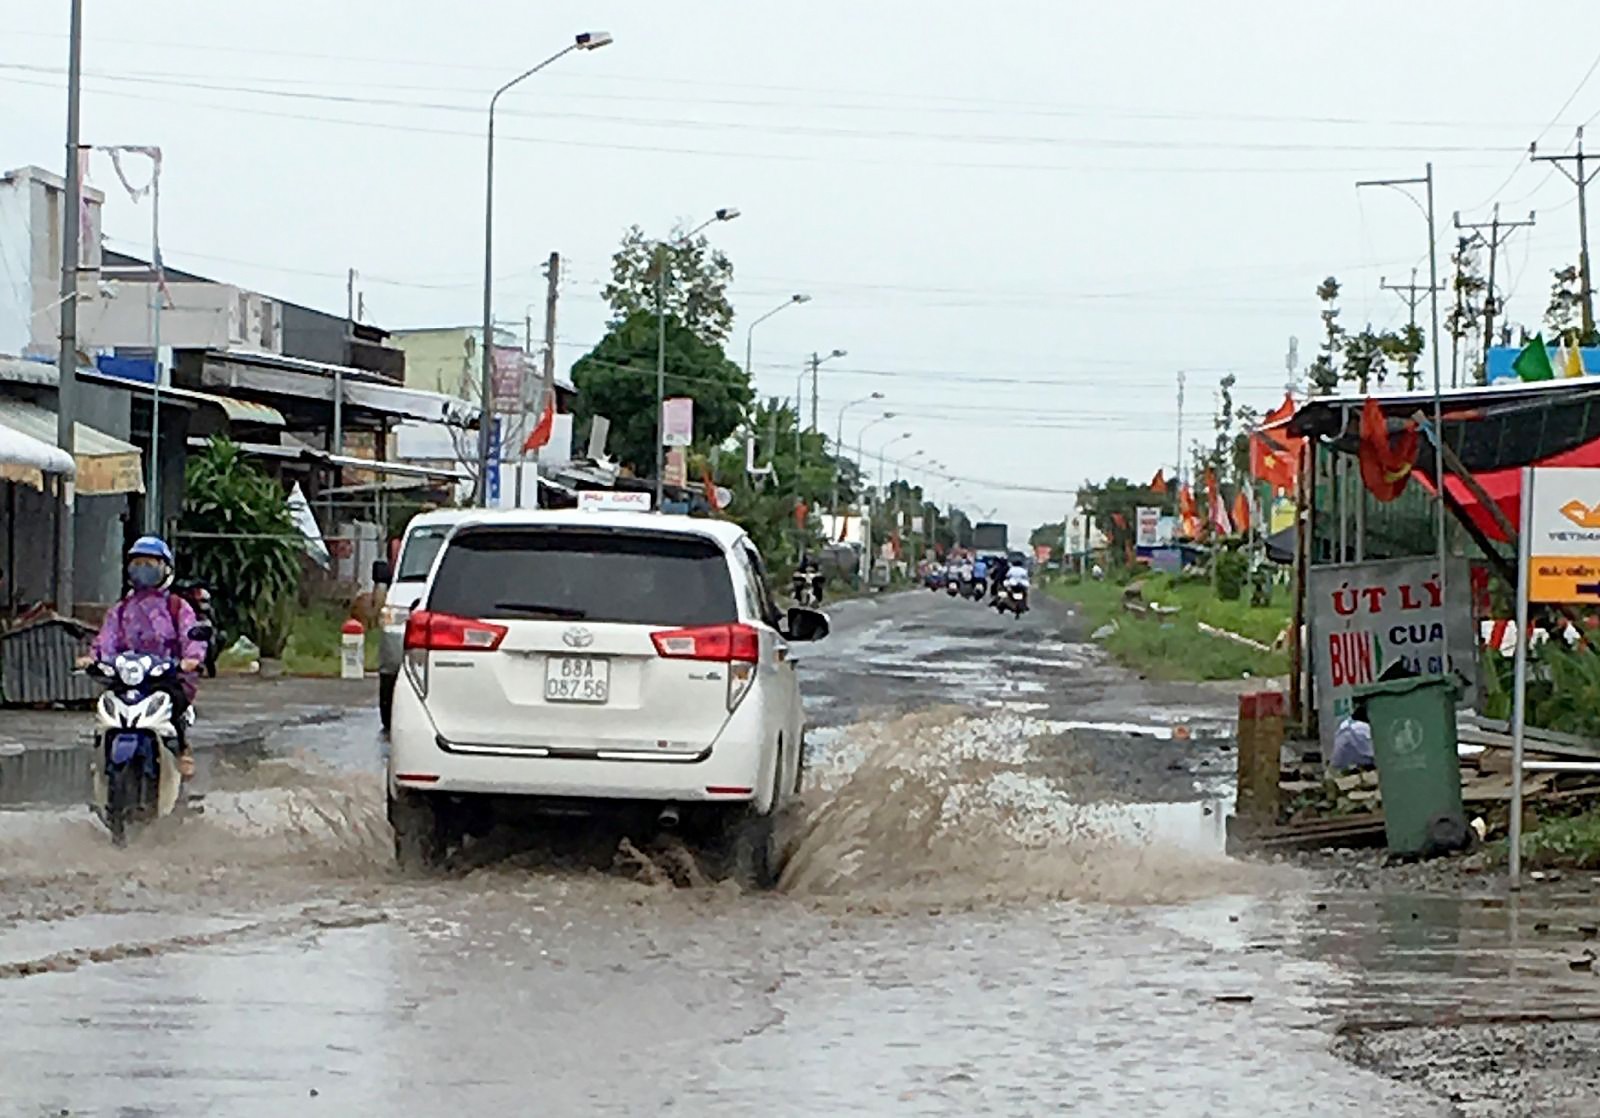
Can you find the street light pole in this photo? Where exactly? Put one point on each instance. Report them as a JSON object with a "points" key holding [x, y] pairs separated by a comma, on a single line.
{"points": [[812, 363], [1426, 181], [727, 213], [838, 450], [589, 40], [750, 331], [67, 356]]}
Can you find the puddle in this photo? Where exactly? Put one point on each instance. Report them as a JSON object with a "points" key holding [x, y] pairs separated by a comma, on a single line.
{"points": [[45, 777]]}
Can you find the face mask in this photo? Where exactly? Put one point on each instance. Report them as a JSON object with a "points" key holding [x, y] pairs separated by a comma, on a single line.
{"points": [[143, 576]]}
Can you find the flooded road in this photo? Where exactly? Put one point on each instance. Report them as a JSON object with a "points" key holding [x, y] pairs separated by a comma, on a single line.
{"points": [[1008, 897]]}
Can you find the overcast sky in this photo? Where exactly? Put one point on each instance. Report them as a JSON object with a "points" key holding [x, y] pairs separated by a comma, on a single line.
{"points": [[1021, 227]]}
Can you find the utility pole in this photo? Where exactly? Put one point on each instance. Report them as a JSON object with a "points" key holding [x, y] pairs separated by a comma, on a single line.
{"points": [[1499, 231], [547, 380], [1178, 468], [816, 362], [1411, 294], [1579, 178], [67, 356]]}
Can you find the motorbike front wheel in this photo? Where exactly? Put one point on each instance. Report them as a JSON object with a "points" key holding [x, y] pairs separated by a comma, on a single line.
{"points": [[124, 797]]}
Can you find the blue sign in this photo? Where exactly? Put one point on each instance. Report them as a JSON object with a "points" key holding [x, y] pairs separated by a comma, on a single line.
{"points": [[494, 462], [1499, 367]]}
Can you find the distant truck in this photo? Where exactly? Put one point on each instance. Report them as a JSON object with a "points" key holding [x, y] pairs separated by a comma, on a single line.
{"points": [[988, 538]]}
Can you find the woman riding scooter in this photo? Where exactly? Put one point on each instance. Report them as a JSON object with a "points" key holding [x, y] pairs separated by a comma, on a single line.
{"points": [[153, 620]]}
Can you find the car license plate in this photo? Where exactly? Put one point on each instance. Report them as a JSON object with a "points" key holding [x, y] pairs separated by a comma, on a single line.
{"points": [[577, 679]]}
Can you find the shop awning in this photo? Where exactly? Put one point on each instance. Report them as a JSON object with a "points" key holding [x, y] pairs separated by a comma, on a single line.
{"points": [[26, 459], [276, 377], [236, 411], [105, 465]]}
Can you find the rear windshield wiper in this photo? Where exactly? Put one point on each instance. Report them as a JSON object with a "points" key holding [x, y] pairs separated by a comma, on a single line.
{"points": [[539, 609]]}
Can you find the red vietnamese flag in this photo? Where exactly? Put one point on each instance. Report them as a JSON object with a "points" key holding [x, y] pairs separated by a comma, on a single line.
{"points": [[1188, 513], [1158, 484], [542, 430], [1274, 453], [1241, 511], [1386, 462]]}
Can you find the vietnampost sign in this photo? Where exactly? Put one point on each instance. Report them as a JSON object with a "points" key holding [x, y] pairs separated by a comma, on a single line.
{"points": [[1366, 617], [1564, 536]]}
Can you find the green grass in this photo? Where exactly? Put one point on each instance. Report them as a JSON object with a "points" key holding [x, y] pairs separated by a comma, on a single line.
{"points": [[314, 645], [1572, 842], [1174, 647]]}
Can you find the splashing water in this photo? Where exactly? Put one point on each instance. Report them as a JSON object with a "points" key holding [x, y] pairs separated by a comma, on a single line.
{"points": [[940, 807]]}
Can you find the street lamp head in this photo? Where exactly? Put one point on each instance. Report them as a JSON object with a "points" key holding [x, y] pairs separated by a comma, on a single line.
{"points": [[800, 299], [593, 40], [838, 353], [876, 396], [727, 213]]}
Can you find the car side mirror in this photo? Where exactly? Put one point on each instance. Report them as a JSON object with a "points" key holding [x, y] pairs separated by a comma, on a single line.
{"points": [[382, 573], [200, 633], [802, 624]]}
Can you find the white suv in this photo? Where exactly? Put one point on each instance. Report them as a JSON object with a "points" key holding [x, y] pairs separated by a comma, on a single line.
{"points": [[599, 660]]}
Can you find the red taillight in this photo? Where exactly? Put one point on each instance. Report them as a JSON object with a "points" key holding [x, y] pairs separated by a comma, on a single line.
{"points": [[445, 632], [735, 643]]}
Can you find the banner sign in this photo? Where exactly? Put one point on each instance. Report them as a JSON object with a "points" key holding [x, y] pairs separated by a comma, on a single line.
{"points": [[1148, 527], [677, 422], [614, 500]]}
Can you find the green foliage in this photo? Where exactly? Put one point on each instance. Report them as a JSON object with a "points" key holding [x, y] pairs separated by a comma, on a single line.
{"points": [[1572, 842], [240, 538], [696, 289], [1229, 570], [1324, 371], [1564, 315], [617, 379], [1563, 688]]}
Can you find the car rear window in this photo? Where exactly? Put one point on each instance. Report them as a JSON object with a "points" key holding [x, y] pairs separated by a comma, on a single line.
{"points": [[636, 578], [416, 557]]}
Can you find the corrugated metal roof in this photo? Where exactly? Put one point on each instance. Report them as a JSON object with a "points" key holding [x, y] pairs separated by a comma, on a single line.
{"points": [[18, 370]]}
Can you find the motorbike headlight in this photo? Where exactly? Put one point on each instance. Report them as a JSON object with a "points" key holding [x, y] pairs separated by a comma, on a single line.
{"points": [[130, 671]]}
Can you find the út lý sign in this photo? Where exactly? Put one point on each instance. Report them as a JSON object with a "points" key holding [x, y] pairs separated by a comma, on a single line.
{"points": [[1564, 539], [1369, 618]]}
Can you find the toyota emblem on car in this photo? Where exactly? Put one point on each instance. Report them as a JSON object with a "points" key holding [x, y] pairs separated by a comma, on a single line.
{"points": [[577, 637]]}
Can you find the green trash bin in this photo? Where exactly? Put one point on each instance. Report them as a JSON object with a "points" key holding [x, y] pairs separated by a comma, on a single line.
{"points": [[1419, 771]]}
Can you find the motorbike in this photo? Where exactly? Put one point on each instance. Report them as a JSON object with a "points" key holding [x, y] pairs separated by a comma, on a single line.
{"points": [[136, 779], [952, 587], [198, 595], [1012, 598], [974, 589]]}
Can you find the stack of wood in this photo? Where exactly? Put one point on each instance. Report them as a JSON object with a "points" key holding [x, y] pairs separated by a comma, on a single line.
{"points": [[1315, 809]]}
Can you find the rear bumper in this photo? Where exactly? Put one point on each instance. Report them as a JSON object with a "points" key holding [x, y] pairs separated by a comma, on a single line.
{"points": [[730, 770]]}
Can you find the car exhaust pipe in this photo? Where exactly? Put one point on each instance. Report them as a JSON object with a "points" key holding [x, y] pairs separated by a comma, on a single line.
{"points": [[668, 819]]}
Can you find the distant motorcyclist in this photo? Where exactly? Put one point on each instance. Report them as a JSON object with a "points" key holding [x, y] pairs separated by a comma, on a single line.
{"points": [[154, 621], [1017, 578], [997, 571], [980, 572]]}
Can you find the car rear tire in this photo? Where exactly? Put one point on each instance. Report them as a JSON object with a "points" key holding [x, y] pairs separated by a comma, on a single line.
{"points": [[421, 836], [386, 700]]}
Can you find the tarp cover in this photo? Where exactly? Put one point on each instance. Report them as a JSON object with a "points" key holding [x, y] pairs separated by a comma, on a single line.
{"points": [[1504, 487]]}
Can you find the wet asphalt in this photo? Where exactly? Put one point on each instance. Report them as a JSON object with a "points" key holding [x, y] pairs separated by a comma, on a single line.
{"points": [[1008, 898]]}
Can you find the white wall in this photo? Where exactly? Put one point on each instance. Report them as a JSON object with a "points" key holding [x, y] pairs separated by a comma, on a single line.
{"points": [[31, 234]]}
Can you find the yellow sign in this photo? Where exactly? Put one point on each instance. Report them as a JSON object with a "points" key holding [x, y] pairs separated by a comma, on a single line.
{"points": [[1563, 544]]}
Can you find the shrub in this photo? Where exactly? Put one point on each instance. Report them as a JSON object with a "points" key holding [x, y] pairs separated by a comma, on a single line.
{"points": [[240, 539], [1230, 568]]}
